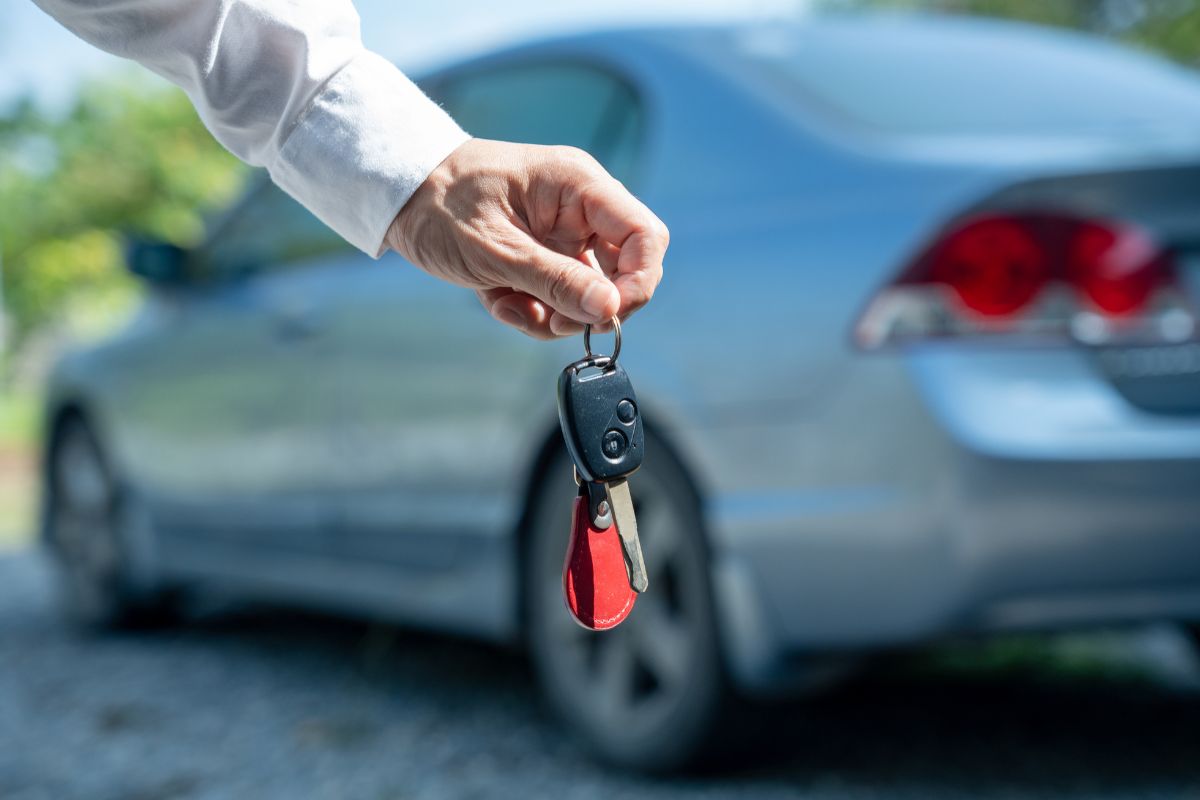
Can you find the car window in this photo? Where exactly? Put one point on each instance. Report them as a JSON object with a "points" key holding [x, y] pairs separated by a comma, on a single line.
{"points": [[963, 78], [266, 230], [556, 103]]}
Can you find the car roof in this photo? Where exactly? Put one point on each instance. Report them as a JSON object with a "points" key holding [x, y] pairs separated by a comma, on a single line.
{"points": [[966, 87], [850, 29]]}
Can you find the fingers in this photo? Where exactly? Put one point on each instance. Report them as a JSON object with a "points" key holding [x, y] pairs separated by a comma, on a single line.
{"points": [[564, 284], [511, 221], [562, 325], [518, 310], [635, 289], [529, 315], [631, 235], [607, 255]]}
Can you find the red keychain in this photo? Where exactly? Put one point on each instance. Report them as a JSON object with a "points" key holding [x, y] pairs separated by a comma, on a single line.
{"points": [[595, 584]]}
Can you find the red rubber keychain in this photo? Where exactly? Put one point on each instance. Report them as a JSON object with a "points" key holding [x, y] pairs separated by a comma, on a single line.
{"points": [[603, 572], [595, 583]]}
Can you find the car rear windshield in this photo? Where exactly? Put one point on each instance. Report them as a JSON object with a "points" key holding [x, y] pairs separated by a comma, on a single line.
{"points": [[957, 77]]}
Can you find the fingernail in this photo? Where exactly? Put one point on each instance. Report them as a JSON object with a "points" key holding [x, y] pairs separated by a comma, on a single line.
{"points": [[597, 299], [510, 317]]}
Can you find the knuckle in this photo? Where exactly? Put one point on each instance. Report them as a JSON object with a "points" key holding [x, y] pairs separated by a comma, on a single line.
{"points": [[576, 156], [562, 152], [643, 289], [660, 233]]}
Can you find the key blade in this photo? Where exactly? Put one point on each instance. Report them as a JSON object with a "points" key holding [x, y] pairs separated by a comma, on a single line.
{"points": [[621, 504]]}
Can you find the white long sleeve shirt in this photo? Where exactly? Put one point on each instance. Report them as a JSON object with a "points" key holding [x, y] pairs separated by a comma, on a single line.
{"points": [[287, 85]]}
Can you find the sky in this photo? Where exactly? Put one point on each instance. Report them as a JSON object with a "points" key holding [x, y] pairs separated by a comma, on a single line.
{"points": [[39, 56]]}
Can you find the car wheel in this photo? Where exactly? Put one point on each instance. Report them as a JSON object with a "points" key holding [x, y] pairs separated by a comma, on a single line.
{"points": [[650, 693], [85, 537]]}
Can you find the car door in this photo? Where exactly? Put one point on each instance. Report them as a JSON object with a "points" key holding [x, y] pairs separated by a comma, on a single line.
{"points": [[235, 404], [439, 395]]}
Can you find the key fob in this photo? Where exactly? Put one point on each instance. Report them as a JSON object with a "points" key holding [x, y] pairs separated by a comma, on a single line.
{"points": [[601, 422]]}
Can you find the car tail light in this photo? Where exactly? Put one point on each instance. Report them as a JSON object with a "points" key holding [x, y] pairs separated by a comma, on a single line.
{"points": [[1115, 267], [1041, 277]]}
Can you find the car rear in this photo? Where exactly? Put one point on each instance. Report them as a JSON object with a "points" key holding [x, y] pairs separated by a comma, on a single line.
{"points": [[1064, 364], [1023, 380]]}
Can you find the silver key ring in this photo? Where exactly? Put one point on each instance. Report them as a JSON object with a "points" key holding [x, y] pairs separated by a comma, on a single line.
{"points": [[587, 343]]}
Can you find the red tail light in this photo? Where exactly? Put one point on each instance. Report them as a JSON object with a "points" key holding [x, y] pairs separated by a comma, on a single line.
{"points": [[1115, 267], [996, 265], [1037, 275]]}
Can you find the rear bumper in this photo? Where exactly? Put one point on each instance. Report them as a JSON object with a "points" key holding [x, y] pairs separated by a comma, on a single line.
{"points": [[973, 510]]}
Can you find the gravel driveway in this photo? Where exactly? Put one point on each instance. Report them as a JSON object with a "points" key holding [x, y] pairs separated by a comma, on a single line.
{"points": [[270, 704]]}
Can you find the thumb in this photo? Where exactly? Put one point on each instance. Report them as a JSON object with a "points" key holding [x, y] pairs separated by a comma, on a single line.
{"points": [[567, 285]]}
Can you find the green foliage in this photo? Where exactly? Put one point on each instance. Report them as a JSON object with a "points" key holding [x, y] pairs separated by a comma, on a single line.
{"points": [[1065, 13], [18, 421], [1176, 34], [1171, 27], [129, 157]]}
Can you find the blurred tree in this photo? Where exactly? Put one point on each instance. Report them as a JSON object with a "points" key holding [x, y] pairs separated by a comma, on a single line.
{"points": [[1168, 26], [130, 156], [1172, 28]]}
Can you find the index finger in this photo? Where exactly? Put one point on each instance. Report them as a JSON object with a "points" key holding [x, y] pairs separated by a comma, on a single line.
{"points": [[639, 236]]}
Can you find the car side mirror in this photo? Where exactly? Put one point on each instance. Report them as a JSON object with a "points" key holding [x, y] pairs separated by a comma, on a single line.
{"points": [[157, 262]]}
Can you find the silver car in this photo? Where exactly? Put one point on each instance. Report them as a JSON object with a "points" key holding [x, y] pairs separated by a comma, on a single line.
{"points": [[925, 361]]}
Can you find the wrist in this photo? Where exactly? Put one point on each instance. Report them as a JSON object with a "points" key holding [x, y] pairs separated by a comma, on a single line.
{"points": [[403, 234], [396, 238]]}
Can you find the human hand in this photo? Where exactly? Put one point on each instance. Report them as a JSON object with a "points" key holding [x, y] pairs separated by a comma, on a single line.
{"points": [[520, 224]]}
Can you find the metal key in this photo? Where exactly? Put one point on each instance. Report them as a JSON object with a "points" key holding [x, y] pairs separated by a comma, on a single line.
{"points": [[620, 504], [602, 427]]}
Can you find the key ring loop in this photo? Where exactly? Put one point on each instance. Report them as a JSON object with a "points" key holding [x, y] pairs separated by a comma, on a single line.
{"points": [[598, 362], [587, 344]]}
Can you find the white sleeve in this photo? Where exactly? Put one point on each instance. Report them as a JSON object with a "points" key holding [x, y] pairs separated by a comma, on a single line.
{"points": [[288, 85]]}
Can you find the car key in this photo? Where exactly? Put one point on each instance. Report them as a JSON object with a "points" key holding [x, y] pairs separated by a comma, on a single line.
{"points": [[603, 431], [602, 428]]}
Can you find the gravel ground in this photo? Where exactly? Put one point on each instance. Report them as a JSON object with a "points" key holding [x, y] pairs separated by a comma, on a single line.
{"points": [[270, 704]]}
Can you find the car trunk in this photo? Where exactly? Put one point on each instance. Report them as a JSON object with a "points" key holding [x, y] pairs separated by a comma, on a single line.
{"points": [[1164, 200]]}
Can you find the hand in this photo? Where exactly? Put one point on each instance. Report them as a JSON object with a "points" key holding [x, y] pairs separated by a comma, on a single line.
{"points": [[520, 224]]}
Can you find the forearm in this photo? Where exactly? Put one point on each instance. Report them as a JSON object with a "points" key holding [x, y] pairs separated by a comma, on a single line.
{"points": [[289, 87]]}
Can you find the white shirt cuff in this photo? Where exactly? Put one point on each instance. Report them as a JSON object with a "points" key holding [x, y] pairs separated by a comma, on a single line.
{"points": [[369, 138]]}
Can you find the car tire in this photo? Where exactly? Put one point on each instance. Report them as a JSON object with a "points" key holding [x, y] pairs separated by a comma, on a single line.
{"points": [[651, 693], [86, 534], [1192, 629]]}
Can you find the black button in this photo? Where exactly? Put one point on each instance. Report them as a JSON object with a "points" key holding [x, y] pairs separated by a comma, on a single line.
{"points": [[626, 411], [614, 444]]}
